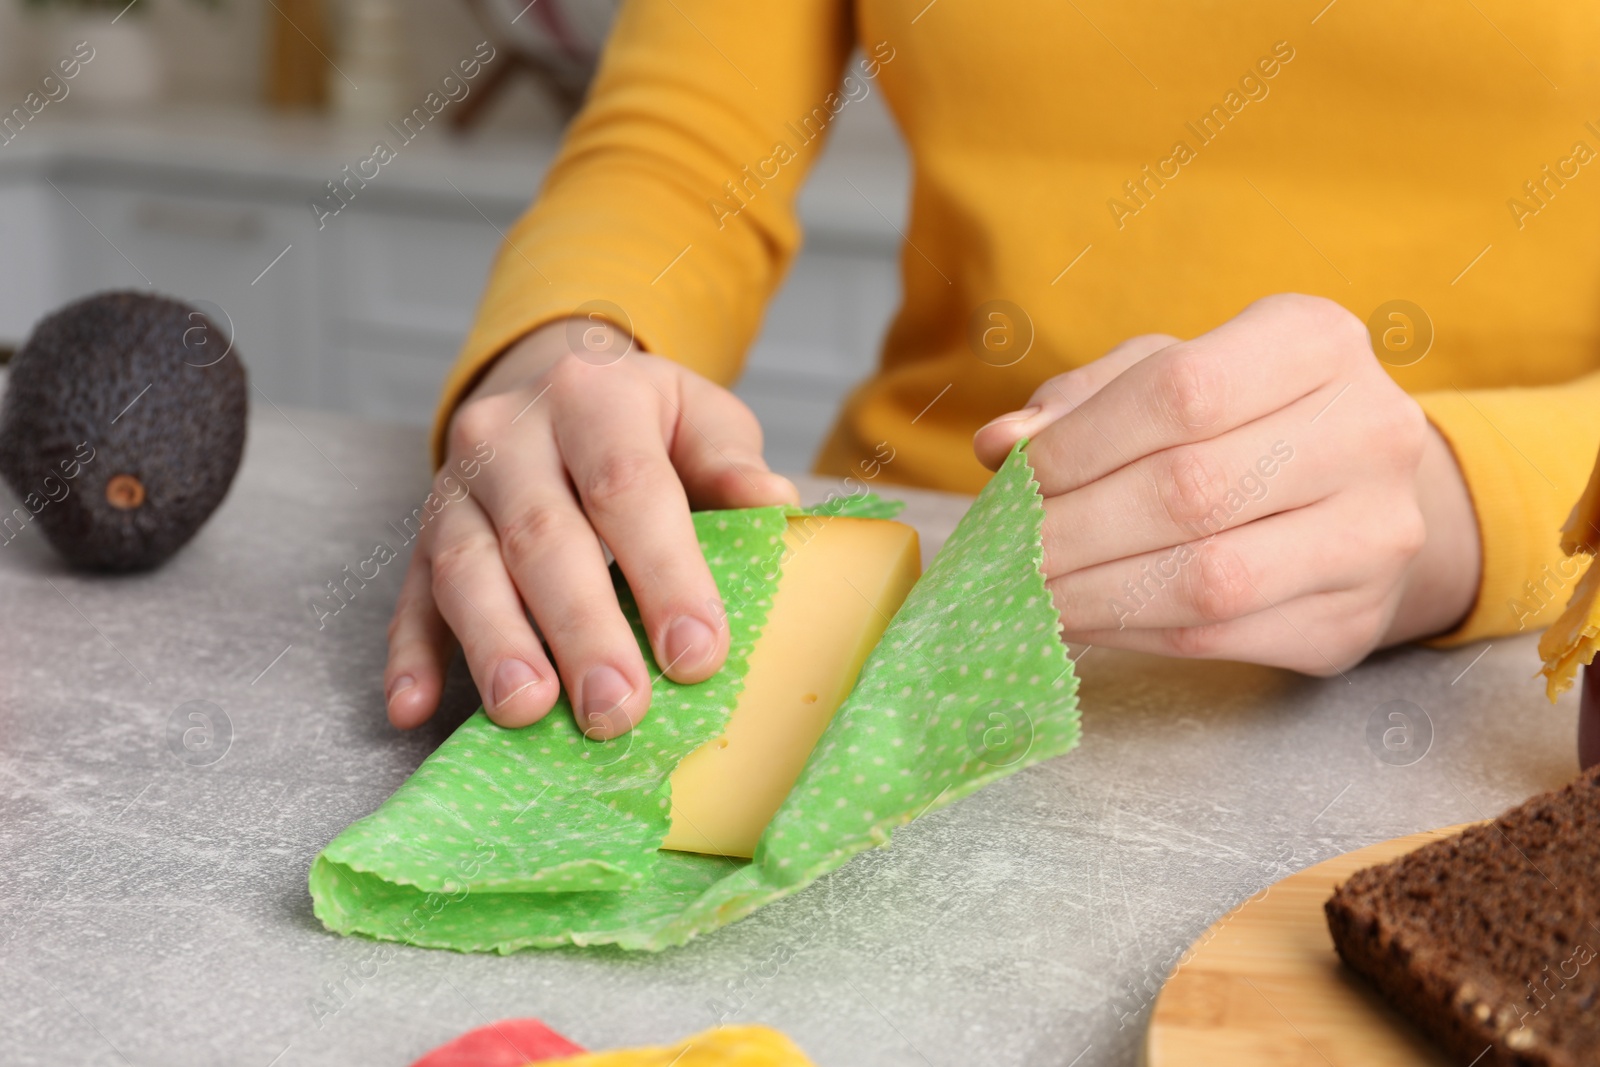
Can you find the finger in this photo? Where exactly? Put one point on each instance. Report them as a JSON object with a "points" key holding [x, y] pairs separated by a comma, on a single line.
{"points": [[613, 441], [557, 564], [419, 650], [1273, 353], [552, 554], [1323, 634], [1061, 394], [716, 448], [1236, 573], [475, 595], [1192, 491]]}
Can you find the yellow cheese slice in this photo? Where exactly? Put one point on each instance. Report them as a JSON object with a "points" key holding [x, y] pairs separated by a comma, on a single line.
{"points": [[842, 581]]}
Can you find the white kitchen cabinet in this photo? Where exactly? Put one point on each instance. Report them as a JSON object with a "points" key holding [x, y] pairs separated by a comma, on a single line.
{"points": [[31, 278], [367, 313], [421, 273], [207, 249], [409, 283]]}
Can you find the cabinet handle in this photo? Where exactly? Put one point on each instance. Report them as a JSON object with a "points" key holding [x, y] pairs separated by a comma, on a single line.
{"points": [[190, 220]]}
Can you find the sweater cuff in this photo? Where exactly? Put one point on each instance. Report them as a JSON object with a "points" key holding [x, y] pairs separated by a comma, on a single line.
{"points": [[1518, 470], [552, 267]]}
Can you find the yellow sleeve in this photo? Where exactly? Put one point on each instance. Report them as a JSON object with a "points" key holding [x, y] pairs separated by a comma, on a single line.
{"points": [[1526, 455], [672, 197]]}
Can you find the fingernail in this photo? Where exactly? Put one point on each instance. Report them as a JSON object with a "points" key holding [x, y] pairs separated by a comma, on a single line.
{"points": [[398, 686], [689, 643], [605, 690], [1022, 415], [511, 678]]}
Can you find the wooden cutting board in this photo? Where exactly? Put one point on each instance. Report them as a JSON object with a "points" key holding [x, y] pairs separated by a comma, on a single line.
{"points": [[1264, 986]]}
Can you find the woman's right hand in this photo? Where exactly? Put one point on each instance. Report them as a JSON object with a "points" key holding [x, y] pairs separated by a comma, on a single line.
{"points": [[574, 438]]}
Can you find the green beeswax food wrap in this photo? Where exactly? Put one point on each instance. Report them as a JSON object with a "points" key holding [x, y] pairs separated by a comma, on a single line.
{"points": [[532, 838]]}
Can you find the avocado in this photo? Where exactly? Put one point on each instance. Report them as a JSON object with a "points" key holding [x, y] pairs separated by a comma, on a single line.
{"points": [[121, 428]]}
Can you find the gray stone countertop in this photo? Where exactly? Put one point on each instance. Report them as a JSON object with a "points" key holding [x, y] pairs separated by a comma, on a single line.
{"points": [[155, 912]]}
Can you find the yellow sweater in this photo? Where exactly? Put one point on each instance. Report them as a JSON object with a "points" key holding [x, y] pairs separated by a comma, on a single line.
{"points": [[1115, 168]]}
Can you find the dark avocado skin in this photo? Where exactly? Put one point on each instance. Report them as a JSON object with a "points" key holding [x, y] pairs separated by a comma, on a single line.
{"points": [[183, 439]]}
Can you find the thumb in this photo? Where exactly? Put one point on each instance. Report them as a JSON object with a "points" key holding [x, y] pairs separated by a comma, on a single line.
{"points": [[1061, 395], [717, 451]]}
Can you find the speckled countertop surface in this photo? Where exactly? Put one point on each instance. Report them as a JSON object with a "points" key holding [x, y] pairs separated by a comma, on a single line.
{"points": [[154, 910]]}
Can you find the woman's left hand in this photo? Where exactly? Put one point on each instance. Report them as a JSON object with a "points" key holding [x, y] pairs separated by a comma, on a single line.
{"points": [[1264, 493]]}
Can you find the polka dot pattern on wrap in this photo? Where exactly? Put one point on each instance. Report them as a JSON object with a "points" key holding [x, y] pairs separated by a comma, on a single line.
{"points": [[512, 839]]}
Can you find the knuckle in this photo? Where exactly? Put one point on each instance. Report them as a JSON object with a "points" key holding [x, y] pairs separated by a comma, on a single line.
{"points": [[1409, 531], [564, 381], [573, 373], [1341, 324], [451, 563], [619, 478], [1222, 588], [567, 373], [475, 421], [1190, 486], [1190, 388], [530, 531], [1407, 428], [1145, 344], [1327, 318], [1338, 323], [1282, 303]]}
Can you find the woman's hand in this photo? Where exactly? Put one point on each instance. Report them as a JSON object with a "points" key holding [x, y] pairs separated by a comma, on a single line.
{"points": [[1263, 493], [589, 442]]}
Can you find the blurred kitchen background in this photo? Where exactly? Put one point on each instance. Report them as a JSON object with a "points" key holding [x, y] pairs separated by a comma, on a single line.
{"points": [[186, 154]]}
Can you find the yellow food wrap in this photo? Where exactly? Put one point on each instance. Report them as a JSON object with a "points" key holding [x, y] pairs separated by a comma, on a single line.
{"points": [[721, 1046], [1570, 641]]}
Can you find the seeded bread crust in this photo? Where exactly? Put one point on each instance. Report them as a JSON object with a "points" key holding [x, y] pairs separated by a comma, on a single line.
{"points": [[1487, 940]]}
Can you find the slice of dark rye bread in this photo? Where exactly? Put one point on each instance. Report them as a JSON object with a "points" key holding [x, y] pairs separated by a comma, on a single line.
{"points": [[1487, 940]]}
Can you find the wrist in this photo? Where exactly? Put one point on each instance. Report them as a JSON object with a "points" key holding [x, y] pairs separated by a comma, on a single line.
{"points": [[1441, 586], [528, 358]]}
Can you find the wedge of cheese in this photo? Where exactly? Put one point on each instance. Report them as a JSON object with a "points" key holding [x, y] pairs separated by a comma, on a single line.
{"points": [[842, 581]]}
